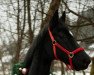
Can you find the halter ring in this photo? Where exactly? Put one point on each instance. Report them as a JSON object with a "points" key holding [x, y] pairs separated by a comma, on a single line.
{"points": [[53, 42], [71, 55]]}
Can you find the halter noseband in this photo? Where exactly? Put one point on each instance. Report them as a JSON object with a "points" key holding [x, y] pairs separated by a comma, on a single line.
{"points": [[70, 54]]}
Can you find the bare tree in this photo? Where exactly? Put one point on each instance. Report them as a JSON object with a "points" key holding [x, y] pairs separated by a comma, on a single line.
{"points": [[20, 32], [31, 35]]}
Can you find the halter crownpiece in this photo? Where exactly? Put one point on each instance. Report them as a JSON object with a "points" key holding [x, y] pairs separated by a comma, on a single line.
{"points": [[70, 54]]}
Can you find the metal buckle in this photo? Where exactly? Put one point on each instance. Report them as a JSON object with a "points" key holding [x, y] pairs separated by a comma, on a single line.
{"points": [[71, 55], [53, 42]]}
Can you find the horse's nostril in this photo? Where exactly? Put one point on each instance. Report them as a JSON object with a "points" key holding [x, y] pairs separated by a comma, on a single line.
{"points": [[85, 64]]}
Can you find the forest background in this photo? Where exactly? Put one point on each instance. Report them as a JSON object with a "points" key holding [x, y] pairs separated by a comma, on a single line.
{"points": [[21, 21]]}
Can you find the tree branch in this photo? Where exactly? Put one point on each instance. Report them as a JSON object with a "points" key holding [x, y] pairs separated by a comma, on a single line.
{"points": [[88, 24], [92, 37], [85, 18]]}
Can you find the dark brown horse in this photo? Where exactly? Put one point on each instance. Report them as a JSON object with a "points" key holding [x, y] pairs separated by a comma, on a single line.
{"points": [[55, 42]]}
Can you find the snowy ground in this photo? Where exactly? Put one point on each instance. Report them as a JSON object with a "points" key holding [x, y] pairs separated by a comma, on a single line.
{"points": [[69, 73]]}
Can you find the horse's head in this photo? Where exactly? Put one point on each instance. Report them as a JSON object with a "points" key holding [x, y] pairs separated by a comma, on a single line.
{"points": [[60, 44]]}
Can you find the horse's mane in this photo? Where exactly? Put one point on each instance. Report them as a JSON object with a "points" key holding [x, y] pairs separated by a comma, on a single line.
{"points": [[35, 47]]}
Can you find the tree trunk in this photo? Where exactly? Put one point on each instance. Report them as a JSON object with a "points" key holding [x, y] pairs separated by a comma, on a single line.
{"points": [[42, 11], [74, 72], [53, 7], [16, 58], [20, 33], [62, 69], [92, 67], [31, 35], [83, 72]]}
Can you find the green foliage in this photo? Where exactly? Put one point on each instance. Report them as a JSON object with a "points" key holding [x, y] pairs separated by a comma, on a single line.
{"points": [[15, 69]]}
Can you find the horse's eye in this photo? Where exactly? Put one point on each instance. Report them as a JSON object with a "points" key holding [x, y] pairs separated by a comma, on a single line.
{"points": [[61, 34]]}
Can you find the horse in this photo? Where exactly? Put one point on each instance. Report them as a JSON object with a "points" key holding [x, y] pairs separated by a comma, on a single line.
{"points": [[55, 42]]}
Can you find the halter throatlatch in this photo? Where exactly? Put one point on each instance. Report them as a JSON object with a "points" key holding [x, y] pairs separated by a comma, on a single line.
{"points": [[70, 54]]}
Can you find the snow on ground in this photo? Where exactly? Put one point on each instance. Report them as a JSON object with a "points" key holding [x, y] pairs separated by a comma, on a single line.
{"points": [[69, 73]]}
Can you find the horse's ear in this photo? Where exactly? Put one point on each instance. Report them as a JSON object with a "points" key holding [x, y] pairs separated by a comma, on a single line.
{"points": [[54, 20], [63, 17]]}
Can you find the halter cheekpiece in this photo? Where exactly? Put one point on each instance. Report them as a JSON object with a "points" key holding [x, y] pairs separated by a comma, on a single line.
{"points": [[70, 54]]}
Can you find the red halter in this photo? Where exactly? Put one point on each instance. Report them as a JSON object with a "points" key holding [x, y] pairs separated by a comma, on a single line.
{"points": [[70, 54]]}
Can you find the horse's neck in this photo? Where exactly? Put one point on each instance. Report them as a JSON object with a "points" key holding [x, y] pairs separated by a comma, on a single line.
{"points": [[41, 68], [40, 65], [44, 69]]}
